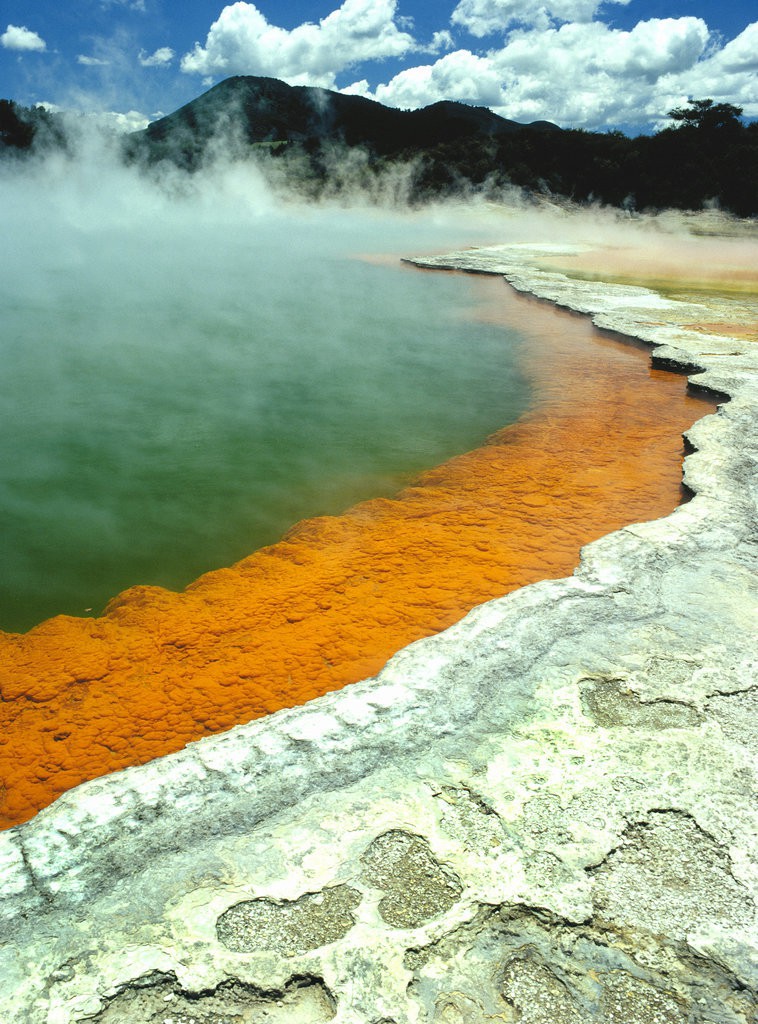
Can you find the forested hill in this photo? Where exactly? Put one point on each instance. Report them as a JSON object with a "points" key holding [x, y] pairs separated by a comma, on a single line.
{"points": [[707, 155], [267, 110]]}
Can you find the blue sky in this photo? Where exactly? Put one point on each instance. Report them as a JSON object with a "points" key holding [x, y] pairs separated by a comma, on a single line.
{"points": [[580, 63]]}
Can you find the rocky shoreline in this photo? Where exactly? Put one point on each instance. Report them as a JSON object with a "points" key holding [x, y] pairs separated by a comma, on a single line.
{"points": [[545, 813]]}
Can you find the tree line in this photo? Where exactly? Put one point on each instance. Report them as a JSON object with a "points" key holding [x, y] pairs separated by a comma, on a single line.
{"points": [[707, 156]]}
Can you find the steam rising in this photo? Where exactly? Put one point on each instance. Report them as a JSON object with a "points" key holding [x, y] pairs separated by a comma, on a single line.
{"points": [[194, 362]]}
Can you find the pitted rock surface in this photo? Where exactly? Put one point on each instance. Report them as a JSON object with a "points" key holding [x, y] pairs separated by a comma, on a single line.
{"points": [[609, 704], [415, 886], [536, 994], [521, 965], [670, 878], [301, 1001], [289, 927], [737, 715]]}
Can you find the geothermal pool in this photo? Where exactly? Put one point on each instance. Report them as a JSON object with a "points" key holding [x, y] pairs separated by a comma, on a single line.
{"points": [[189, 373], [178, 389]]}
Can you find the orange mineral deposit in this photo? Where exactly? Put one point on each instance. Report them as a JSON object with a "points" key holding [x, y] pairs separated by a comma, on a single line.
{"points": [[337, 596]]}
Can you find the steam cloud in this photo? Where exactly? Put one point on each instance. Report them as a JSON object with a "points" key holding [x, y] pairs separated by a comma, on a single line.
{"points": [[151, 316]]}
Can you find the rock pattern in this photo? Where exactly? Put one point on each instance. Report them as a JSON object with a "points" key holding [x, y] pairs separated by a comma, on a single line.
{"points": [[546, 814]]}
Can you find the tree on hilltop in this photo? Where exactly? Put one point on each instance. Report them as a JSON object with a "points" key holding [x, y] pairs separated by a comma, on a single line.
{"points": [[705, 115]]}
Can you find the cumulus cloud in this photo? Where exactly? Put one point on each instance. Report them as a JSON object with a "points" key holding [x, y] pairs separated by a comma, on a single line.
{"points": [[655, 48], [160, 59], [485, 17], [727, 74], [19, 37], [242, 41], [593, 56], [460, 75], [741, 54], [582, 74]]}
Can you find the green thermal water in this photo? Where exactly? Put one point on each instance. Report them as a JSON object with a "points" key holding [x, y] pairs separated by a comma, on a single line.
{"points": [[183, 382]]}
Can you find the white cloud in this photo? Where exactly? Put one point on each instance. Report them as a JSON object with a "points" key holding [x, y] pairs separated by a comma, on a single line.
{"points": [[242, 41], [727, 74], [92, 62], [655, 48], [360, 88], [587, 56], [460, 75], [160, 59], [441, 41], [18, 37], [485, 17], [741, 54], [580, 75], [131, 121]]}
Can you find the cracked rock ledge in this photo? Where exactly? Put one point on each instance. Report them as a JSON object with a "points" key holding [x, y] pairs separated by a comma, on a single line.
{"points": [[547, 814]]}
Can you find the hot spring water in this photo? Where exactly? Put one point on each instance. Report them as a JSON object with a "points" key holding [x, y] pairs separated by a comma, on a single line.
{"points": [[186, 376]]}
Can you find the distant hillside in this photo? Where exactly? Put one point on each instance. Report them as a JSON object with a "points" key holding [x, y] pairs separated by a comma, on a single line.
{"points": [[257, 111], [711, 158], [323, 142]]}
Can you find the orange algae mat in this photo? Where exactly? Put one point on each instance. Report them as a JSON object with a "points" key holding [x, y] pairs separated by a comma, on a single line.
{"points": [[337, 596]]}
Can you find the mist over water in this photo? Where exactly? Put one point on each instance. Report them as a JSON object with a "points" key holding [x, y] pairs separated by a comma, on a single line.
{"points": [[191, 366]]}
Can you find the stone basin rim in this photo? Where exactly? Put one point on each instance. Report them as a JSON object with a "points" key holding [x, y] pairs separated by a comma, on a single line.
{"points": [[57, 856]]}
